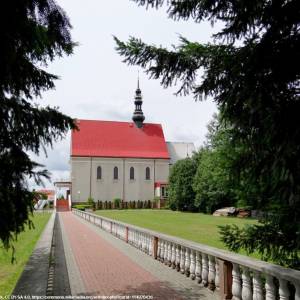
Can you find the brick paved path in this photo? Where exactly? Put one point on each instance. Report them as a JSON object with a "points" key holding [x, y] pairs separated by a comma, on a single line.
{"points": [[106, 267]]}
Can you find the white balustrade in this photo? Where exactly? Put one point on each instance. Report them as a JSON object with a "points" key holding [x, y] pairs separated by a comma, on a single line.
{"points": [[187, 262], [283, 290], [158, 249], [270, 288], [211, 272], [169, 257], [165, 261], [177, 263], [173, 256], [182, 260], [193, 265], [258, 293], [204, 274], [246, 279], [236, 282], [246, 285], [198, 270], [217, 279]]}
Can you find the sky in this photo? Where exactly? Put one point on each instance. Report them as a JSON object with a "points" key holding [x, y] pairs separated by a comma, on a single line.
{"points": [[95, 84]]}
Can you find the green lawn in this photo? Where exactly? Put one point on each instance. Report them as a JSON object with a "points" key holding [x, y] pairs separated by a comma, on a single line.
{"points": [[10, 273], [196, 227]]}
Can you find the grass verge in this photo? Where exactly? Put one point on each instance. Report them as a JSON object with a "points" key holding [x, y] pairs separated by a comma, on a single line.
{"points": [[10, 273]]}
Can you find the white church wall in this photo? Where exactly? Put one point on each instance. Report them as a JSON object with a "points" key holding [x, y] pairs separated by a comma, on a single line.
{"points": [[106, 188], [80, 176]]}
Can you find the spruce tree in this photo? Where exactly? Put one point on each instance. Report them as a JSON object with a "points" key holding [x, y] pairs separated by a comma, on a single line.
{"points": [[32, 33], [252, 71]]}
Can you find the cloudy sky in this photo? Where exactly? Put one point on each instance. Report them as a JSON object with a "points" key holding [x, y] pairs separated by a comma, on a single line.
{"points": [[95, 84]]}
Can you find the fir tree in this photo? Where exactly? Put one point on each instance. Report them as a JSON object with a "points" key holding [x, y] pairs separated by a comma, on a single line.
{"points": [[252, 73], [32, 33]]}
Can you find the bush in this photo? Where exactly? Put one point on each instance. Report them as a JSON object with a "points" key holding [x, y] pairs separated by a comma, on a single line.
{"points": [[117, 203], [82, 206]]}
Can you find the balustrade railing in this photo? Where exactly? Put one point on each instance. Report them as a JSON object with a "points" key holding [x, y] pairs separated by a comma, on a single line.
{"points": [[231, 275]]}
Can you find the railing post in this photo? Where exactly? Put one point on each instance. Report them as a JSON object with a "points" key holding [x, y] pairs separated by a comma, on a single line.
{"points": [[110, 227], [155, 247], [126, 234], [225, 278]]}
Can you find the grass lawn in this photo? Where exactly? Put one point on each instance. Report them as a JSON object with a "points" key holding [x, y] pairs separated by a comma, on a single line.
{"points": [[10, 273], [196, 227]]}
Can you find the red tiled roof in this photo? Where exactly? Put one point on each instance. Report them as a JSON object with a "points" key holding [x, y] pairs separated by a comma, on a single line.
{"points": [[118, 139]]}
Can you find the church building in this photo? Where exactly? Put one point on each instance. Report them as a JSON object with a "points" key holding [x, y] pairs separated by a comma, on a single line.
{"points": [[126, 160]]}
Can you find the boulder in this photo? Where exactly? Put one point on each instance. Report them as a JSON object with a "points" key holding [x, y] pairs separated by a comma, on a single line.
{"points": [[225, 212]]}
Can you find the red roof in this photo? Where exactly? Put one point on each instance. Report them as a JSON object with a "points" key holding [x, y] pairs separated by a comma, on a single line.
{"points": [[118, 139]]}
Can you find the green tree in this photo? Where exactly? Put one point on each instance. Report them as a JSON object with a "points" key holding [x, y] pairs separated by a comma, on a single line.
{"points": [[32, 33], [214, 182], [252, 71], [181, 193]]}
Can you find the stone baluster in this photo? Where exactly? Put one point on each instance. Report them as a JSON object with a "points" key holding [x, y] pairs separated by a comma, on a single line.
{"points": [[150, 245], [297, 291], [246, 285], [270, 288], [193, 265], [162, 251], [143, 242], [169, 263], [284, 293], [236, 282], [166, 253], [158, 249], [211, 272], [182, 260], [187, 262], [198, 270], [217, 279], [136, 239], [147, 244], [177, 263], [258, 293], [173, 258], [204, 273]]}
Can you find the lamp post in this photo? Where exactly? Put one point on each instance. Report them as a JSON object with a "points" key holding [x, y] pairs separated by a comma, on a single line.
{"points": [[78, 195]]}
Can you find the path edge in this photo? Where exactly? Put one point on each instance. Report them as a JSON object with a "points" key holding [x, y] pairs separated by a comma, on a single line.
{"points": [[34, 278]]}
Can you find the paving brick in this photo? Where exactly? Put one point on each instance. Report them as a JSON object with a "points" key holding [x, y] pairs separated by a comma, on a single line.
{"points": [[109, 266]]}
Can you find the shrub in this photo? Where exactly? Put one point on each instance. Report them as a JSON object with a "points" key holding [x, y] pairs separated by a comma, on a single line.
{"points": [[117, 203]]}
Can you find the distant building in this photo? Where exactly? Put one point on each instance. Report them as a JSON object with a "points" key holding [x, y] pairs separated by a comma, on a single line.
{"points": [[49, 193], [126, 160], [180, 150]]}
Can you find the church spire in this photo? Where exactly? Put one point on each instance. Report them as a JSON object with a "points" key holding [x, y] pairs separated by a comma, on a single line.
{"points": [[138, 116]]}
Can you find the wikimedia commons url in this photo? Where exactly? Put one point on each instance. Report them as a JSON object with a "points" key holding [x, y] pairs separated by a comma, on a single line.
{"points": [[79, 297]]}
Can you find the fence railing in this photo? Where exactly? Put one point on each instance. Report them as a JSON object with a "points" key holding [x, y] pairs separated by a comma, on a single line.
{"points": [[231, 275]]}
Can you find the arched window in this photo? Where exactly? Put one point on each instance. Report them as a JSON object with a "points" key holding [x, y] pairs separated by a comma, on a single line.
{"points": [[99, 173], [116, 173], [131, 175], [147, 173]]}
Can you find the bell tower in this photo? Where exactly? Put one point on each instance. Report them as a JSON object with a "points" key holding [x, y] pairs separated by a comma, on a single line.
{"points": [[138, 116]]}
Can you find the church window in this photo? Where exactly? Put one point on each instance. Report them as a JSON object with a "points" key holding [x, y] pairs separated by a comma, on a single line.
{"points": [[147, 173], [99, 173], [116, 173], [131, 175]]}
